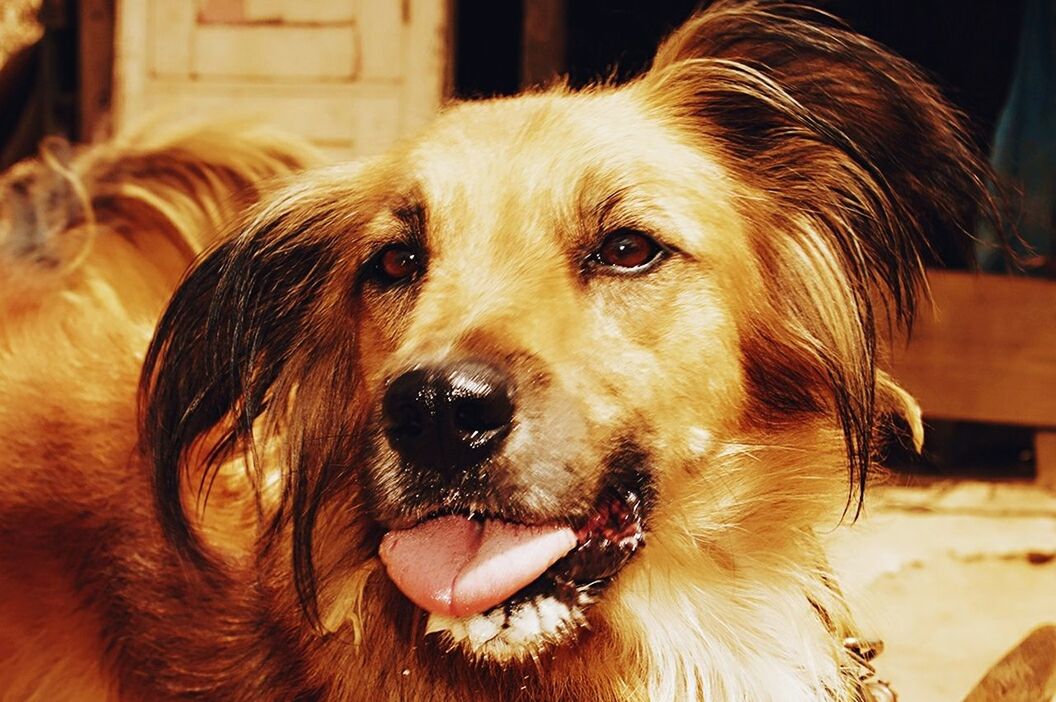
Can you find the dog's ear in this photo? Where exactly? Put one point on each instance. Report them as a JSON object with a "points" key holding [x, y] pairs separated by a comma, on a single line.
{"points": [[849, 157], [228, 353]]}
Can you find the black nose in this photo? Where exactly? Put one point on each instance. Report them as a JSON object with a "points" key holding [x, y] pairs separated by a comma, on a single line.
{"points": [[449, 417]]}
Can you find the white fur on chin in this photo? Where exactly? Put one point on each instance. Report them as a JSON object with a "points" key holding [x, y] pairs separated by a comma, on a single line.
{"points": [[526, 630]]}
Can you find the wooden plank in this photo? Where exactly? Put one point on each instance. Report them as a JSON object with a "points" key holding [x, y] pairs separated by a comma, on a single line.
{"points": [[544, 42], [221, 11], [1045, 459], [269, 53], [1026, 674], [381, 41], [169, 34], [987, 353], [95, 67], [427, 62], [356, 117], [288, 77], [131, 61], [305, 12]]}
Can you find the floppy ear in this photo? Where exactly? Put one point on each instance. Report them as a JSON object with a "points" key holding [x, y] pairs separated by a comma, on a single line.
{"points": [[239, 340], [228, 334], [849, 158]]}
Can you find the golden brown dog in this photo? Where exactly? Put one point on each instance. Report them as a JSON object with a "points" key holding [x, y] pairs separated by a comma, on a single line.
{"points": [[545, 404]]}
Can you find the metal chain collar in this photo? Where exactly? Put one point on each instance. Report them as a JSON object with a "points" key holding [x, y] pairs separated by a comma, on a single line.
{"points": [[862, 652]]}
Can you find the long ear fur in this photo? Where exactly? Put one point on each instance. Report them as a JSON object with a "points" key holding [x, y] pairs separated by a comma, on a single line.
{"points": [[230, 353], [223, 340], [851, 157]]}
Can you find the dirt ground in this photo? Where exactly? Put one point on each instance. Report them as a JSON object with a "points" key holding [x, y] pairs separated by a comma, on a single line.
{"points": [[951, 576]]}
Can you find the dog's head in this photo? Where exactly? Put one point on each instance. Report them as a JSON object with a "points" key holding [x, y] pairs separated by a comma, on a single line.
{"points": [[566, 358]]}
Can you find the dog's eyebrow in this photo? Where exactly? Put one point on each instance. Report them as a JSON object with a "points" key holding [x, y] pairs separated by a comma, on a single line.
{"points": [[596, 202], [619, 207], [604, 210], [411, 213]]}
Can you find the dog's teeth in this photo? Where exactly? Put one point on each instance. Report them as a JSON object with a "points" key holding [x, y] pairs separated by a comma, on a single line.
{"points": [[498, 617], [441, 622], [494, 635], [524, 625], [522, 629], [481, 630], [553, 614], [458, 631], [436, 623]]}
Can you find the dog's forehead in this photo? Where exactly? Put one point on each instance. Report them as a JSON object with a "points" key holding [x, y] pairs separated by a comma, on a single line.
{"points": [[532, 141], [561, 154]]}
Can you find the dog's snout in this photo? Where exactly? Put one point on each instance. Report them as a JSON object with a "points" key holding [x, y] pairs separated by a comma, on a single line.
{"points": [[448, 417]]}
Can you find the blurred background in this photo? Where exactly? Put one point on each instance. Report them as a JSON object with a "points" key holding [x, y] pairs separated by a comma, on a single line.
{"points": [[954, 561]]}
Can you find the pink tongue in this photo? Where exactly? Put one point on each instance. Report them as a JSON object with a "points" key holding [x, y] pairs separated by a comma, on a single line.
{"points": [[456, 566]]}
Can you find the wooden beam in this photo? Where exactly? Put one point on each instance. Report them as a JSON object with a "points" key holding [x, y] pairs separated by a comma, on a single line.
{"points": [[95, 30], [1045, 459], [987, 353], [544, 42]]}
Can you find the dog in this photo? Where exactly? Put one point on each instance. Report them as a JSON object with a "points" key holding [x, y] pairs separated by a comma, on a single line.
{"points": [[547, 403]]}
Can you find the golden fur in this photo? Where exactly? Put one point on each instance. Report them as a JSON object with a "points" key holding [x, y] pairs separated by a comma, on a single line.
{"points": [[225, 547]]}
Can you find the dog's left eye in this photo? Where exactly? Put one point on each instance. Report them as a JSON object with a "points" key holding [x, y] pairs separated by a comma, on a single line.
{"points": [[627, 250], [396, 263]]}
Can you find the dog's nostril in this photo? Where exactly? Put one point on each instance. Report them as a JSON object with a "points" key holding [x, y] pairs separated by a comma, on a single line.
{"points": [[480, 399], [448, 417], [408, 418], [469, 416], [483, 414], [408, 402]]}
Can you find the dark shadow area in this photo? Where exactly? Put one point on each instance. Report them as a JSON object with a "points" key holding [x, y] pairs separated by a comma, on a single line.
{"points": [[487, 53], [962, 450]]}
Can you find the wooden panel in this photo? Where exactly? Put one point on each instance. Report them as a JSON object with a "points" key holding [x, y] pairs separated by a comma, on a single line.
{"points": [[427, 62], [1045, 458], [221, 11], [354, 118], [274, 52], [131, 61], [169, 34], [95, 67], [988, 354], [381, 53], [306, 11], [351, 75], [544, 60]]}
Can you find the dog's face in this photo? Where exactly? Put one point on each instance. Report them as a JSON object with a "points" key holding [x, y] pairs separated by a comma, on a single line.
{"points": [[571, 361], [547, 331]]}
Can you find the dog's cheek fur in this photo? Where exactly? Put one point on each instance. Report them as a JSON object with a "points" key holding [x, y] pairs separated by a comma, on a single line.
{"points": [[847, 157], [837, 189], [735, 497]]}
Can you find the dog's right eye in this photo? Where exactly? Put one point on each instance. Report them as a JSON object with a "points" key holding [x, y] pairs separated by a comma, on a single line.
{"points": [[627, 251], [396, 263]]}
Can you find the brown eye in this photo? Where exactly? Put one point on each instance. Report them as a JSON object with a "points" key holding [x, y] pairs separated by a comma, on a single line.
{"points": [[628, 250], [397, 263]]}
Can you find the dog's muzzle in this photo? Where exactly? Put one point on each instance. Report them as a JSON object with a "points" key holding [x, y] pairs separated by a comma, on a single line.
{"points": [[450, 417], [459, 540]]}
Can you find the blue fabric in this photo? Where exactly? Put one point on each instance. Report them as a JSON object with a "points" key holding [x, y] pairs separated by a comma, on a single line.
{"points": [[1024, 150]]}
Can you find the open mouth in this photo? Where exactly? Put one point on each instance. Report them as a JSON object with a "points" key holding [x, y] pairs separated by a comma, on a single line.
{"points": [[505, 590]]}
